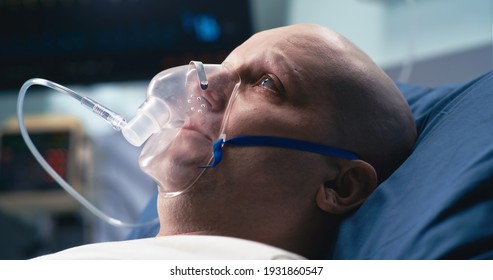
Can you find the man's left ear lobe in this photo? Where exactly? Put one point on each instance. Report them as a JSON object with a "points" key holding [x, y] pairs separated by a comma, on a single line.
{"points": [[354, 183]]}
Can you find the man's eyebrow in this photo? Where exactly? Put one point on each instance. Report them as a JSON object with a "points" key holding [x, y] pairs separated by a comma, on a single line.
{"points": [[286, 69], [273, 62]]}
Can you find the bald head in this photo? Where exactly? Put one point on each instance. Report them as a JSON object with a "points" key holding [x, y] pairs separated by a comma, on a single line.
{"points": [[367, 114]]}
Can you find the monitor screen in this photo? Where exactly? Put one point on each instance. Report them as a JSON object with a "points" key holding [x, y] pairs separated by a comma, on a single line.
{"points": [[89, 41], [19, 171]]}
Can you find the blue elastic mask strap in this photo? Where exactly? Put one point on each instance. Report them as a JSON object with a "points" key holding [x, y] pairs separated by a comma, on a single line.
{"points": [[268, 141]]}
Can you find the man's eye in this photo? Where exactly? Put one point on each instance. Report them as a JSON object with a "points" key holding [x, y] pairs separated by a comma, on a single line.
{"points": [[268, 83]]}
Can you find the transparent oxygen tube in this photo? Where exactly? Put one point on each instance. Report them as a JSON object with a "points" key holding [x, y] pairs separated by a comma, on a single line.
{"points": [[116, 121]]}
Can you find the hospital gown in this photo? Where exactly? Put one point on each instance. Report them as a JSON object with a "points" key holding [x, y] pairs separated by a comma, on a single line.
{"points": [[178, 247]]}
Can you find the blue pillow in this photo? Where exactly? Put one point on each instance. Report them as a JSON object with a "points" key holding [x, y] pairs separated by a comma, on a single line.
{"points": [[439, 203]]}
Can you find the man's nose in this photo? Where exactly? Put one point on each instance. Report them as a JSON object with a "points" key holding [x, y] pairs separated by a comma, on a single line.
{"points": [[221, 84]]}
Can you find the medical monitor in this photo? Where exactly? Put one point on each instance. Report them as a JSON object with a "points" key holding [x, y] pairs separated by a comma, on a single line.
{"points": [[90, 41]]}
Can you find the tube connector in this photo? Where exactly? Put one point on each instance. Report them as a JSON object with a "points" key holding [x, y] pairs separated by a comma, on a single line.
{"points": [[115, 120], [149, 119]]}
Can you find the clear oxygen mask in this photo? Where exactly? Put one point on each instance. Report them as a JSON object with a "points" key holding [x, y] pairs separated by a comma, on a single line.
{"points": [[181, 118]]}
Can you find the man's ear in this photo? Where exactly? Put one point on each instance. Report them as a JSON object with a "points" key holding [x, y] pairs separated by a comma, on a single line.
{"points": [[354, 183]]}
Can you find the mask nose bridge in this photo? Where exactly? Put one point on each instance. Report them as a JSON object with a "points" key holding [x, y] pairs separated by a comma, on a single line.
{"points": [[221, 85], [202, 77]]}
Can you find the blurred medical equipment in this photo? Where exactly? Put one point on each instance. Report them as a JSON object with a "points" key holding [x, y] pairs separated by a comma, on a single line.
{"points": [[60, 139], [36, 214], [120, 41]]}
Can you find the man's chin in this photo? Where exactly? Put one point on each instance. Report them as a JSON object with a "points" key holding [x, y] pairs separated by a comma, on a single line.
{"points": [[179, 165], [173, 174]]}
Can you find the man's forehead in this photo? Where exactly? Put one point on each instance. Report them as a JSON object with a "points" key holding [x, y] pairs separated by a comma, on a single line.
{"points": [[290, 49], [270, 59], [279, 57]]}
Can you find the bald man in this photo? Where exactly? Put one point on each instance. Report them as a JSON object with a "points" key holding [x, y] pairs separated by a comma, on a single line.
{"points": [[304, 85]]}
